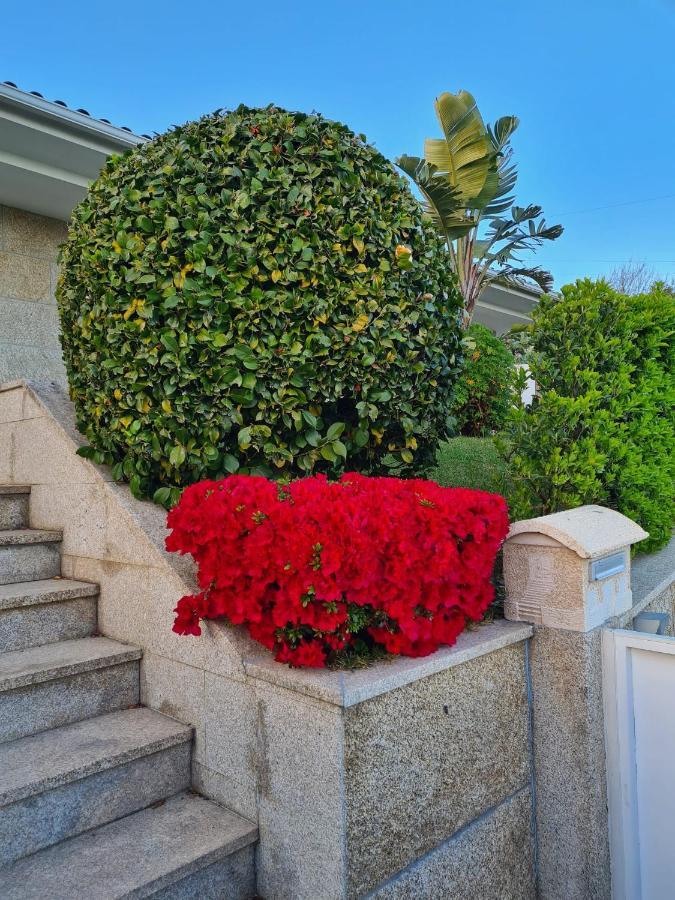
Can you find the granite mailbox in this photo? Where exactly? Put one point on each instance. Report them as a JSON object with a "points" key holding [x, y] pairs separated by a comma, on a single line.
{"points": [[570, 569]]}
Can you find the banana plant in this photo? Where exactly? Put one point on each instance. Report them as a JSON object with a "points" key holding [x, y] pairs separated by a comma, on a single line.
{"points": [[466, 179]]}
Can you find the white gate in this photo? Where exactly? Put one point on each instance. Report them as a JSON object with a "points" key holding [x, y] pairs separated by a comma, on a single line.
{"points": [[639, 700]]}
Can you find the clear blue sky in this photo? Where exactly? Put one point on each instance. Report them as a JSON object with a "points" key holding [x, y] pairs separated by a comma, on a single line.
{"points": [[593, 83]]}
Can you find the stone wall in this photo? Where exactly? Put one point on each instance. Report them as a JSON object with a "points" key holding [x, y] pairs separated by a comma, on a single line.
{"points": [[29, 344], [408, 779]]}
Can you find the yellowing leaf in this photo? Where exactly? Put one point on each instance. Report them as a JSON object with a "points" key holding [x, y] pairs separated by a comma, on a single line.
{"points": [[361, 268], [276, 275], [166, 406], [116, 247], [358, 243], [135, 306], [360, 323], [179, 280], [126, 421], [117, 394]]}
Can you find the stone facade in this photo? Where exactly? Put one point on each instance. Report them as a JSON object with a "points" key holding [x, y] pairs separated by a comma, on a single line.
{"points": [[29, 343]]}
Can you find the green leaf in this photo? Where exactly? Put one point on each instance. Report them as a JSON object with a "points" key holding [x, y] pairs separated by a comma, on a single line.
{"points": [[328, 452], [230, 463], [391, 461], [361, 437], [136, 487], [335, 431], [169, 341], [162, 496], [177, 455]]}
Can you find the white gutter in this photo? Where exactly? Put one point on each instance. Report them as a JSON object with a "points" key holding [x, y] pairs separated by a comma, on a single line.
{"points": [[20, 105]]}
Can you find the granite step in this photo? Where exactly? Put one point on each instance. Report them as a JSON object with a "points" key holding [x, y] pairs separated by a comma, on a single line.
{"points": [[65, 781], [56, 684], [29, 554], [33, 613], [14, 506], [186, 847]]}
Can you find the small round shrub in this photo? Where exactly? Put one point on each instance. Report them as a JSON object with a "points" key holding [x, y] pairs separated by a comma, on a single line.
{"points": [[485, 389], [258, 292]]}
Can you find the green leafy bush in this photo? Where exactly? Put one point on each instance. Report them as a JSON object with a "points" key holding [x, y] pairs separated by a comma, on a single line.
{"points": [[485, 389], [256, 291], [602, 426]]}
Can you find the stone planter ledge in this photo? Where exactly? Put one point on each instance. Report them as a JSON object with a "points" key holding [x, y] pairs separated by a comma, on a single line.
{"points": [[348, 688]]}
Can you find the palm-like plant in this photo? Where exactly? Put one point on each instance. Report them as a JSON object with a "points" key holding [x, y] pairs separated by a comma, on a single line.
{"points": [[466, 180]]}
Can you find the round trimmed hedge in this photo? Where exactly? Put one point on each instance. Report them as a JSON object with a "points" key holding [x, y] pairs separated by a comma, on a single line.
{"points": [[258, 292]]}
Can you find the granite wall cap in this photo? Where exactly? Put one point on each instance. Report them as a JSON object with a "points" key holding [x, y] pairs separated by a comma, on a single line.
{"points": [[349, 688], [590, 531]]}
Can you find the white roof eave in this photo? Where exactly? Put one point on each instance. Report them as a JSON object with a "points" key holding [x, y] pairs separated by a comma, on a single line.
{"points": [[49, 154]]}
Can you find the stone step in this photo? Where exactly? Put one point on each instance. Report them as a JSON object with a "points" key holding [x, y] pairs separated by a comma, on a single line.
{"points": [[28, 554], [33, 613], [55, 684], [63, 782], [14, 506], [187, 847]]}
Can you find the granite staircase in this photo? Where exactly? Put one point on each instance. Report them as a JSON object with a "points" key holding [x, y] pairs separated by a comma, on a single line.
{"points": [[95, 799]]}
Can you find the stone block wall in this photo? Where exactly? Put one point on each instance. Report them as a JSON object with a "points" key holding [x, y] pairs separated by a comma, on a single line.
{"points": [[408, 779], [29, 343]]}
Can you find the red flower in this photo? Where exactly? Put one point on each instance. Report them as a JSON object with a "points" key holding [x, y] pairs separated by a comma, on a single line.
{"points": [[407, 561]]}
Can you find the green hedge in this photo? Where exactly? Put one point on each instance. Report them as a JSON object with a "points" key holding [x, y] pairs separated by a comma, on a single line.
{"points": [[471, 462], [602, 427], [256, 291], [485, 389]]}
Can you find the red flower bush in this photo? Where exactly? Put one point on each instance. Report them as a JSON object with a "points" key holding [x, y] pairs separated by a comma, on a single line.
{"points": [[315, 568]]}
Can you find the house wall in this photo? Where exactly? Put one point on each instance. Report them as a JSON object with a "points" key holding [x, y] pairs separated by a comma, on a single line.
{"points": [[29, 343]]}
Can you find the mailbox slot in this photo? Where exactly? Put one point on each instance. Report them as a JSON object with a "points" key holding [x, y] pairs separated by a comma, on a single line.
{"points": [[606, 566]]}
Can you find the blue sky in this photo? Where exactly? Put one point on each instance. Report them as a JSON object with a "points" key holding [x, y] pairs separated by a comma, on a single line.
{"points": [[593, 83]]}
